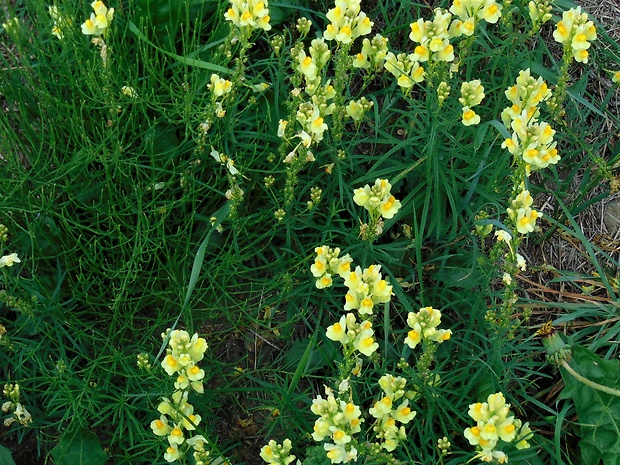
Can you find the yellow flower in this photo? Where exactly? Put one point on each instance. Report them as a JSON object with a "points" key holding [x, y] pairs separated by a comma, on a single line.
{"points": [[491, 12], [561, 33], [337, 331], [170, 364], [581, 56], [172, 453], [470, 117], [219, 86], [526, 220], [160, 426], [8, 260], [176, 436]]}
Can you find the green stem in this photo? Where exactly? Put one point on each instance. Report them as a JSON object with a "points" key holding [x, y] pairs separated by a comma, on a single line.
{"points": [[590, 383]]}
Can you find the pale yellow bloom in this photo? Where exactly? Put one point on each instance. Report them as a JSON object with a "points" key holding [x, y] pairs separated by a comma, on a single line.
{"points": [[8, 260]]}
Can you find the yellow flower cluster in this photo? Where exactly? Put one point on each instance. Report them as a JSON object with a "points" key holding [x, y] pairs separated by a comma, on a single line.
{"points": [[327, 264], [530, 140], [433, 38], [177, 414], [18, 412], [377, 199], [353, 335], [60, 22], [575, 32], [494, 423], [405, 68], [472, 94], [373, 53], [347, 22], [469, 12], [366, 289], [277, 454], [312, 119], [99, 21], [424, 326], [249, 13], [387, 414], [525, 95], [338, 420], [522, 213], [311, 114]]}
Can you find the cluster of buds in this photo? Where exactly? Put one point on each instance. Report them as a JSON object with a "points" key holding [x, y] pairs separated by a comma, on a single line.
{"points": [[61, 22], [177, 414], [387, 414], [530, 140], [494, 423], [472, 94], [443, 92], [353, 336], [540, 12], [522, 213], [405, 68], [575, 32], [469, 12], [253, 14], [373, 53], [18, 412], [277, 454], [356, 109], [433, 38], [327, 264], [366, 289], [347, 22], [424, 327], [99, 21], [315, 197], [338, 420]]}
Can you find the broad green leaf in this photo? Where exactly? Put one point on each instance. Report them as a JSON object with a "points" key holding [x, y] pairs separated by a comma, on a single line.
{"points": [[5, 456], [79, 446], [599, 413]]}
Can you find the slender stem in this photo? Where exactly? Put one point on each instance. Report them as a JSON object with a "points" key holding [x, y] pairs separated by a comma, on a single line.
{"points": [[592, 384]]}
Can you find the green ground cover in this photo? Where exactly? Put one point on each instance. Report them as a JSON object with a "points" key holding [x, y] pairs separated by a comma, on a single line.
{"points": [[242, 232]]}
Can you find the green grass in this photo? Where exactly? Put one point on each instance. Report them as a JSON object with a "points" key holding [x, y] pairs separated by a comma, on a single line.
{"points": [[108, 201]]}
